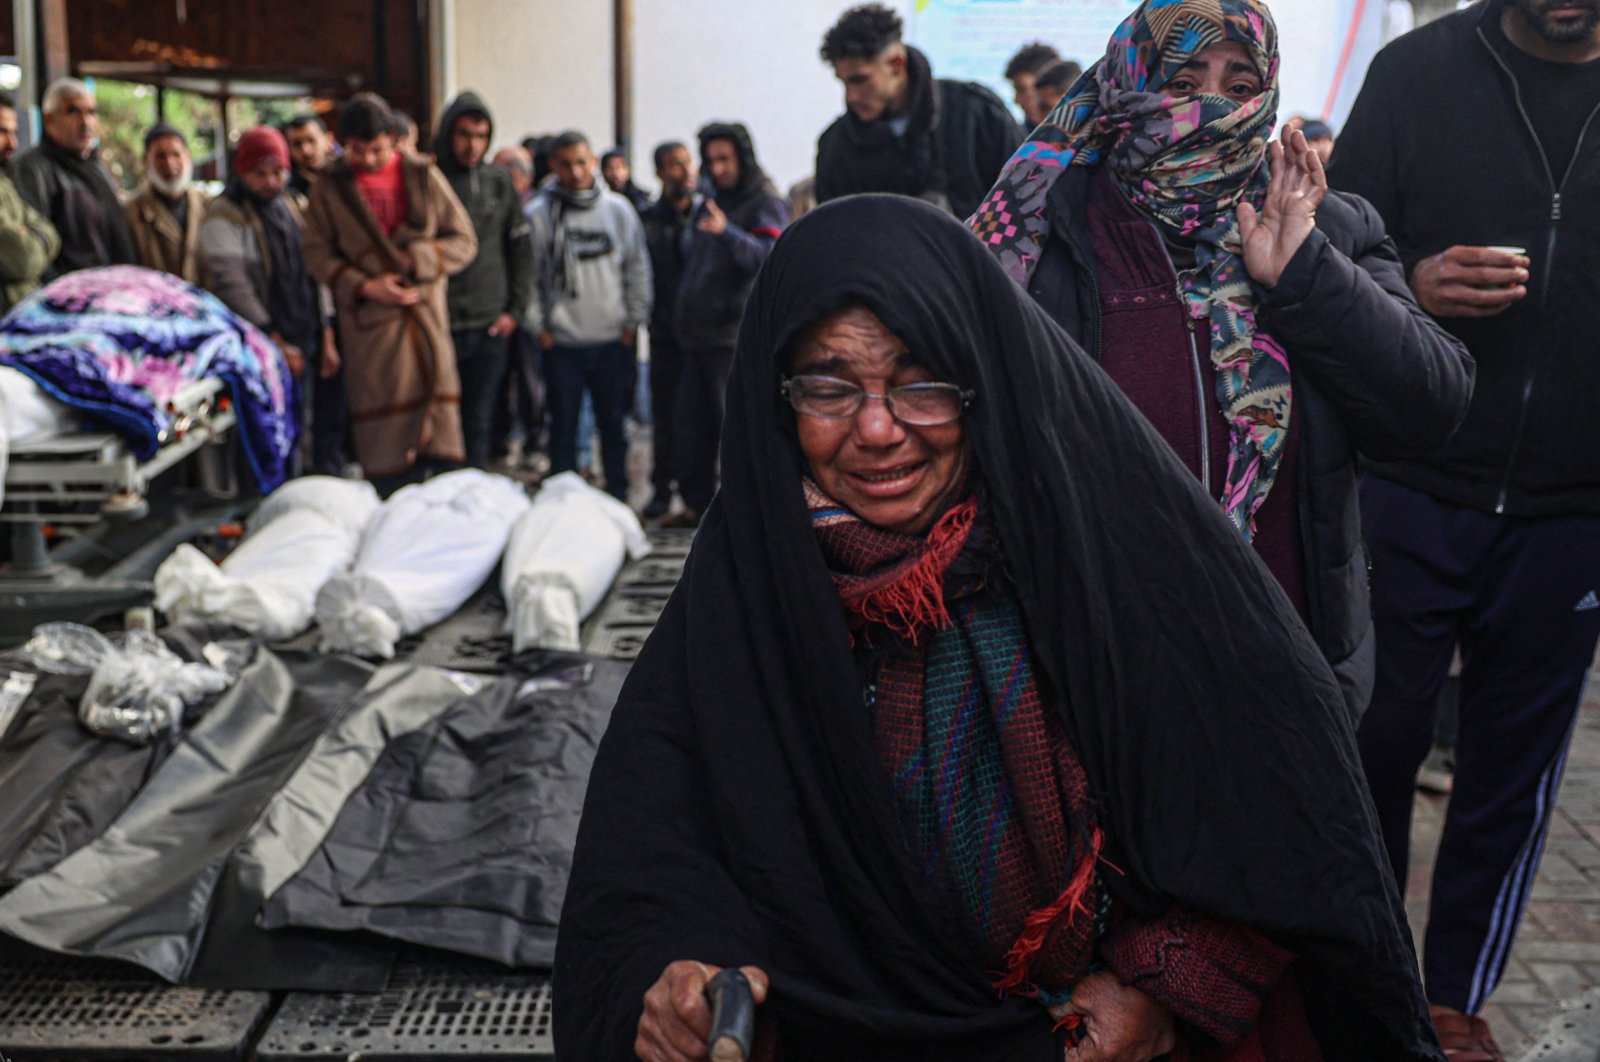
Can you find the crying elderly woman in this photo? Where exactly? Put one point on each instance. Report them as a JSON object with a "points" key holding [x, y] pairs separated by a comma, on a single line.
{"points": [[975, 729]]}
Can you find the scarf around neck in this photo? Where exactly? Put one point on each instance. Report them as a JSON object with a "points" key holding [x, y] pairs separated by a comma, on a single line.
{"points": [[1187, 164], [993, 800], [291, 294], [562, 255]]}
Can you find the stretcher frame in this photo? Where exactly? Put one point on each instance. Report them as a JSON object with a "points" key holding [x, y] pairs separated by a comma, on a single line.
{"points": [[85, 483]]}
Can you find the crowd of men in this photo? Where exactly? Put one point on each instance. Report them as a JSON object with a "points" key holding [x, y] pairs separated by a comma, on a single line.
{"points": [[437, 306], [462, 306]]}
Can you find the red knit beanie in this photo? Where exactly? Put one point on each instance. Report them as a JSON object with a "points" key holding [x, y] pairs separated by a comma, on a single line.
{"points": [[262, 142]]}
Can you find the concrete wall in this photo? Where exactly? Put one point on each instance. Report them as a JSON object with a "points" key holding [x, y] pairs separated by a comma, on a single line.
{"points": [[541, 65], [750, 60], [545, 65]]}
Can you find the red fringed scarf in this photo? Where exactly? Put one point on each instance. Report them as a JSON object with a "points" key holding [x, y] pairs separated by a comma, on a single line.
{"points": [[886, 578], [992, 792]]}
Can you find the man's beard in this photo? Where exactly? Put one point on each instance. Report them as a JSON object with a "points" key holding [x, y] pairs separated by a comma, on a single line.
{"points": [[172, 189], [1568, 31]]}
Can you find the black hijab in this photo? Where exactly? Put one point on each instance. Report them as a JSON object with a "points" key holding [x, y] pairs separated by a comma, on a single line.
{"points": [[737, 812]]}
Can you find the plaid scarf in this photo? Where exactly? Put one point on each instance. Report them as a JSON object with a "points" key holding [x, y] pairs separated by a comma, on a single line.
{"points": [[1187, 163], [992, 796]]}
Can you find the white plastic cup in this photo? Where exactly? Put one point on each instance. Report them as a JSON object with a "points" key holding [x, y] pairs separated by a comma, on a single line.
{"points": [[1504, 249]]}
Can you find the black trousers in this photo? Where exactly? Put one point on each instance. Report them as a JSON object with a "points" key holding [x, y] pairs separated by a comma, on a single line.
{"points": [[666, 369], [329, 420], [522, 415], [481, 359], [702, 399], [607, 371], [1522, 598]]}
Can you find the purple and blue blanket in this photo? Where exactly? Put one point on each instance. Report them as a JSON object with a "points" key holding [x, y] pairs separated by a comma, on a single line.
{"points": [[118, 342]]}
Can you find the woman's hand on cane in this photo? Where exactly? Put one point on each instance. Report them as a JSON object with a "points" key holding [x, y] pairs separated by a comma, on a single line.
{"points": [[677, 1016], [1120, 1023]]}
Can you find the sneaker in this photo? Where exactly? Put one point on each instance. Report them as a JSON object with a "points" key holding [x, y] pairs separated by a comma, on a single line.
{"points": [[1464, 1037], [1438, 772], [658, 506]]}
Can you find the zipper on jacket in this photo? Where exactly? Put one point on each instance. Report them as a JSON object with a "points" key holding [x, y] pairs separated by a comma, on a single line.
{"points": [[1549, 252], [1199, 395]]}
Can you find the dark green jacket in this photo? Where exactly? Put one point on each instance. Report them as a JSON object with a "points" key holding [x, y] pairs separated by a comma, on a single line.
{"points": [[500, 279], [28, 244]]}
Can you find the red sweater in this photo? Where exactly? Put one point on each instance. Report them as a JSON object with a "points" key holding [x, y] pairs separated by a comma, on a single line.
{"points": [[385, 193]]}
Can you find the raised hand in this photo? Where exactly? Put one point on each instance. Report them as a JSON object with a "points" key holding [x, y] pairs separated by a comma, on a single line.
{"points": [[1297, 187]]}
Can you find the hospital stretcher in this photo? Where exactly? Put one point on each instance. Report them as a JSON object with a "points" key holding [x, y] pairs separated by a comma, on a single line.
{"points": [[84, 489]]}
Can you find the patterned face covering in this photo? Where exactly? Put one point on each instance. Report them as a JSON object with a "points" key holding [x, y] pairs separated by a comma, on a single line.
{"points": [[1186, 163]]}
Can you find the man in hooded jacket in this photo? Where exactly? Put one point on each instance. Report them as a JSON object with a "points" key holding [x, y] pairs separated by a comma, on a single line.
{"points": [[487, 297], [734, 230], [905, 131]]}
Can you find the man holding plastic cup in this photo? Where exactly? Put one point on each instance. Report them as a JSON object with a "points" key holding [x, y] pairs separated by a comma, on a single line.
{"points": [[1476, 138]]}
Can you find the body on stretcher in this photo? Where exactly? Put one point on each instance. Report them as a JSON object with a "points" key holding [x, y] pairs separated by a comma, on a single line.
{"points": [[80, 477], [92, 487]]}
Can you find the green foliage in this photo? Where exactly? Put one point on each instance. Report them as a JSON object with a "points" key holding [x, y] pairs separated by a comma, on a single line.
{"points": [[128, 109]]}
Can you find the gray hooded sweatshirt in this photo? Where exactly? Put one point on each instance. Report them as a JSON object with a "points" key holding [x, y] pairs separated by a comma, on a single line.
{"points": [[591, 268]]}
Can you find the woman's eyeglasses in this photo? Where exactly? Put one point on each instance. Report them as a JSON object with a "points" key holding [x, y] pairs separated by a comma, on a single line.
{"points": [[923, 405]]}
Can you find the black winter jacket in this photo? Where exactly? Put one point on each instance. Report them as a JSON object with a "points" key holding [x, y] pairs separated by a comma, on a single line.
{"points": [[79, 198], [666, 235], [1439, 144], [719, 271], [959, 137], [1371, 372], [500, 279]]}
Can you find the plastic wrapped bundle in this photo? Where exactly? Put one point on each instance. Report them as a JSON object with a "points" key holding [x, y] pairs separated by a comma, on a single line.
{"points": [[563, 556], [301, 535], [138, 688], [425, 553]]}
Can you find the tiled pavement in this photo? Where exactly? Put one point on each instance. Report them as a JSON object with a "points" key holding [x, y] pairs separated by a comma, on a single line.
{"points": [[1548, 1006]]}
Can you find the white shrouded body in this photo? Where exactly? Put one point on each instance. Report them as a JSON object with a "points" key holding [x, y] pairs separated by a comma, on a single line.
{"points": [[563, 556], [424, 554]]}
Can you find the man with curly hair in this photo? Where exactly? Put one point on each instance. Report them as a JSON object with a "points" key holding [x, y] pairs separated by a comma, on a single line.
{"points": [[905, 131]]}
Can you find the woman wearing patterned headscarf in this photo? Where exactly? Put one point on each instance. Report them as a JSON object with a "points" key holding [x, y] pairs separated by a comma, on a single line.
{"points": [[1261, 322]]}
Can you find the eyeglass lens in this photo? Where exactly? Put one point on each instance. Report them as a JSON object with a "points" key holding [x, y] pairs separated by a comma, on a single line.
{"points": [[920, 403]]}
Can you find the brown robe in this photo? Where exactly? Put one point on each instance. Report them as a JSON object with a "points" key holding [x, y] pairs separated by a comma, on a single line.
{"points": [[399, 363], [158, 241]]}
